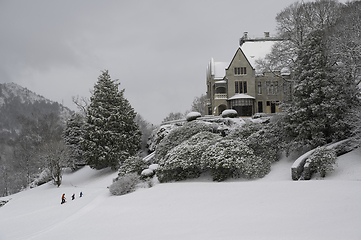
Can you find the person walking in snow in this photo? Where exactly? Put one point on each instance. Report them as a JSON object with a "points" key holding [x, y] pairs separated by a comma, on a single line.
{"points": [[63, 199], [81, 194], [73, 196]]}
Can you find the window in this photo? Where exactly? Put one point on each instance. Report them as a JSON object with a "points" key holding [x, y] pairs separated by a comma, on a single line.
{"points": [[272, 87], [275, 87], [259, 88], [240, 71], [240, 86]]}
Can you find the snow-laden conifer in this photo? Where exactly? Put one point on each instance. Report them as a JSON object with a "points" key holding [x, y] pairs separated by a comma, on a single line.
{"points": [[110, 134], [323, 99], [73, 135]]}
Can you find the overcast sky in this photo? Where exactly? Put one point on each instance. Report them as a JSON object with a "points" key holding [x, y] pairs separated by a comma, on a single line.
{"points": [[158, 49]]}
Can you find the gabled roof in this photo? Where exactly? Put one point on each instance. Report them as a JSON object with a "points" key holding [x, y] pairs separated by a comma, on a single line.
{"points": [[256, 50], [251, 50]]}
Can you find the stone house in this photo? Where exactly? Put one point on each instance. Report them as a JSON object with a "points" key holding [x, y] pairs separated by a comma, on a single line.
{"points": [[239, 85]]}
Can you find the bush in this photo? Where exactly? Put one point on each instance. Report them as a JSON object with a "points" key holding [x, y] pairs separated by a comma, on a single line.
{"points": [[263, 139], [193, 116], [132, 165], [322, 160], [124, 184], [178, 135], [265, 143], [233, 158], [242, 133], [147, 173], [184, 161], [231, 113]]}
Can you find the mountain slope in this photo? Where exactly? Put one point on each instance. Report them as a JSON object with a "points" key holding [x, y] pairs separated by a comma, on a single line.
{"points": [[274, 207], [25, 119], [17, 102]]}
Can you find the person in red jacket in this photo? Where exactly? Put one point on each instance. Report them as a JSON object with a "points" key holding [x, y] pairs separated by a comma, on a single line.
{"points": [[63, 199]]}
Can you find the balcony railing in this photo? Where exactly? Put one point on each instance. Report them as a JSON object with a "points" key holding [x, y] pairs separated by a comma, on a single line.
{"points": [[220, 96]]}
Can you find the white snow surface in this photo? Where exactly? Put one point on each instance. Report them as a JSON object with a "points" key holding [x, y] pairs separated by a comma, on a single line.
{"points": [[274, 207]]}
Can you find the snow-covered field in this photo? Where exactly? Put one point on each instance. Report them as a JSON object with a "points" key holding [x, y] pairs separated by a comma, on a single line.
{"points": [[274, 207]]}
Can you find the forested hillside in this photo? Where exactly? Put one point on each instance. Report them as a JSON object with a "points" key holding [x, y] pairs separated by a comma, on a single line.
{"points": [[26, 119]]}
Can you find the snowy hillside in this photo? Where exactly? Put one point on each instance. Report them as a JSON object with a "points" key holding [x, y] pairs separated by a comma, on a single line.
{"points": [[274, 207], [17, 102], [8, 90]]}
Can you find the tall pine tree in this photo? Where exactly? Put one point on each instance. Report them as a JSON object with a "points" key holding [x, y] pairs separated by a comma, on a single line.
{"points": [[323, 98], [73, 136], [110, 133]]}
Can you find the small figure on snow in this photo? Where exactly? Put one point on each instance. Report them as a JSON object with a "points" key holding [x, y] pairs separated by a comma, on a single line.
{"points": [[73, 196], [81, 194], [63, 199]]}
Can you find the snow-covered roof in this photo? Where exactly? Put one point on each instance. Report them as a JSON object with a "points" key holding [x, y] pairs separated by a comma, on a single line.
{"points": [[252, 50], [241, 96], [221, 81], [220, 69], [256, 50]]}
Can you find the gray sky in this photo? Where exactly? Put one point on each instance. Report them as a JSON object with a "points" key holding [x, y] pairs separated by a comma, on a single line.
{"points": [[158, 49]]}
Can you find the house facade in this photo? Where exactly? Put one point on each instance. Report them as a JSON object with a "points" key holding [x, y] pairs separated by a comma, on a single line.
{"points": [[237, 85]]}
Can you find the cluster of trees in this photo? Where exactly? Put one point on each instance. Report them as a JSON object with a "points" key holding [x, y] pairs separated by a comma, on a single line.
{"points": [[105, 133], [27, 123], [322, 50]]}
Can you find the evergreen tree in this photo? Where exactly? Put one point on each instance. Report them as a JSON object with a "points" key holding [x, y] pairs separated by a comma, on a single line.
{"points": [[73, 135], [323, 99], [110, 134]]}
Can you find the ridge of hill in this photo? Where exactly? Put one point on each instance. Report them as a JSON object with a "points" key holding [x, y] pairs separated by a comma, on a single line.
{"points": [[17, 102]]}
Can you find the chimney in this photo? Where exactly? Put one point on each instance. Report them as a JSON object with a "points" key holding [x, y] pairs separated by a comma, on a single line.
{"points": [[266, 34], [245, 35]]}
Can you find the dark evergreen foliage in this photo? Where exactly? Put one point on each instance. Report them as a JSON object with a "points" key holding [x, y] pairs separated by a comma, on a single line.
{"points": [[110, 134], [323, 99], [73, 136]]}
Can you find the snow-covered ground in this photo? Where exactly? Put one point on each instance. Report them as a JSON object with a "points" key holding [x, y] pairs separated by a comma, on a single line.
{"points": [[274, 207]]}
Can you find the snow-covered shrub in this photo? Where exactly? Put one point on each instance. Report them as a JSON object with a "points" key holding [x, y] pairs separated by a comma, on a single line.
{"points": [[322, 160], [160, 133], [233, 158], [178, 135], [265, 143], [147, 173], [193, 116], [184, 160], [153, 167], [242, 133], [231, 113], [132, 165], [263, 139], [124, 184], [44, 177]]}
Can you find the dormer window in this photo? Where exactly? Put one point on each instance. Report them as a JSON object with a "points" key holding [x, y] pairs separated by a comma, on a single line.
{"points": [[240, 71]]}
